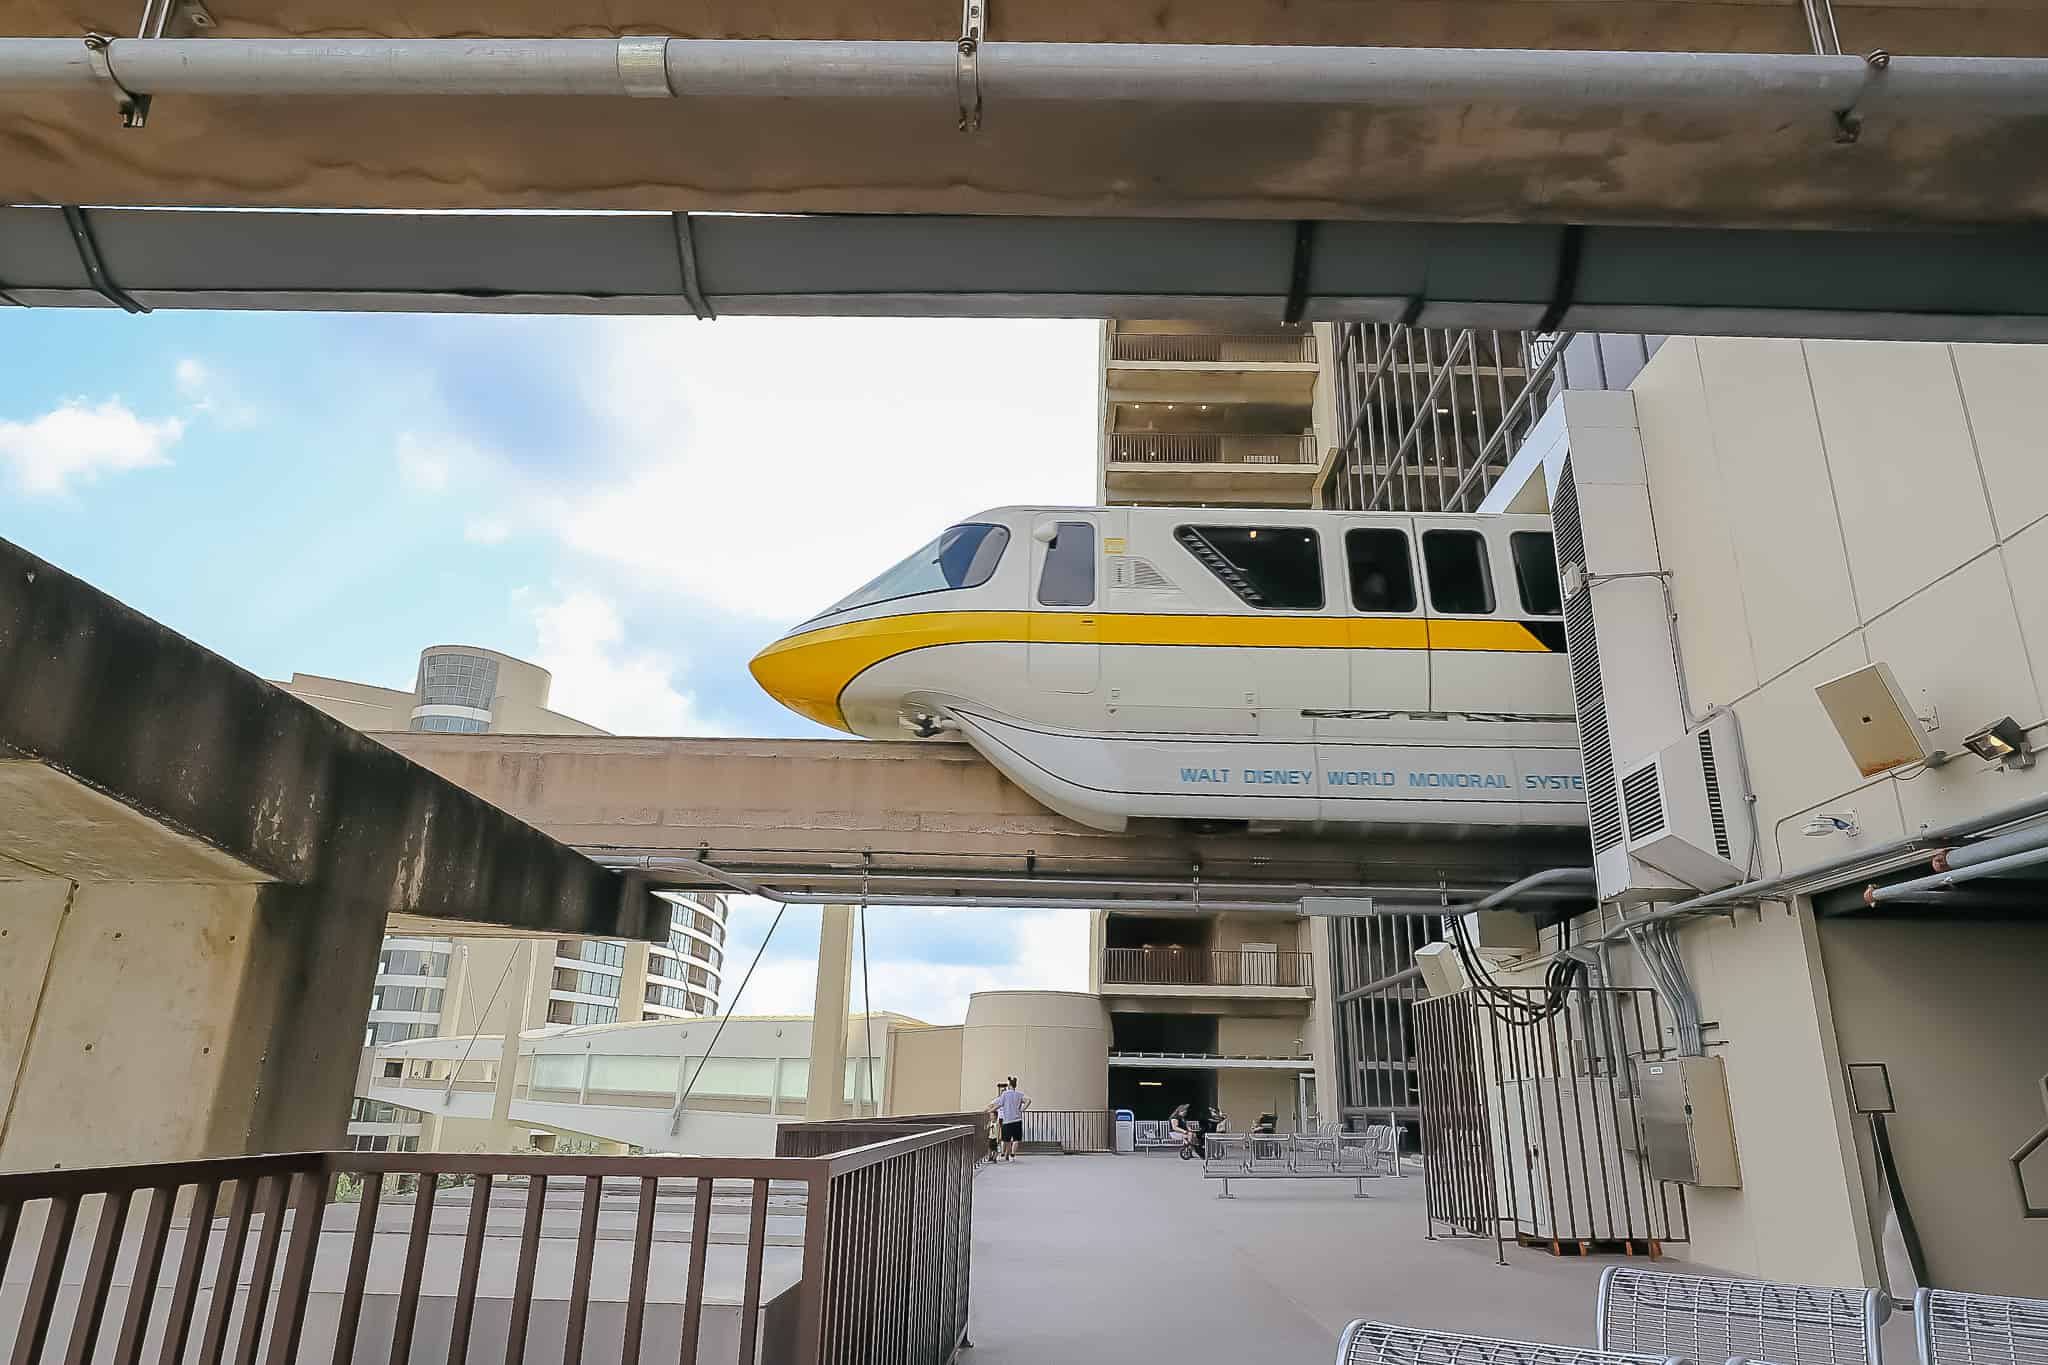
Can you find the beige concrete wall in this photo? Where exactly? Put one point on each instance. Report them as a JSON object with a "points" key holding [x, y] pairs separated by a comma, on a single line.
{"points": [[924, 1070], [1799, 1213], [136, 1019], [1822, 506], [1056, 1043], [1958, 1014], [1244, 1095]]}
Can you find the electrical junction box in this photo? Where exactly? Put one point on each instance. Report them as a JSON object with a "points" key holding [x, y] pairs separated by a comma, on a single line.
{"points": [[1443, 972], [1502, 934], [1688, 1133]]}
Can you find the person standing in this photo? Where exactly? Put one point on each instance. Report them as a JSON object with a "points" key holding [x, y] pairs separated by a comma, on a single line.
{"points": [[1008, 1110]]}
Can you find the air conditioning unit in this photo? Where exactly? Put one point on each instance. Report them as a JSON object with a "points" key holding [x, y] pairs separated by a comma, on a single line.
{"points": [[1685, 812]]}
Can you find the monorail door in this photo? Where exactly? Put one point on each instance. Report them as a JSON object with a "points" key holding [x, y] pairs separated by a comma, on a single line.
{"points": [[1066, 558]]}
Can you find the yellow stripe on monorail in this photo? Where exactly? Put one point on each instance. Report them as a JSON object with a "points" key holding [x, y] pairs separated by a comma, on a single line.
{"points": [[808, 671], [891, 635]]}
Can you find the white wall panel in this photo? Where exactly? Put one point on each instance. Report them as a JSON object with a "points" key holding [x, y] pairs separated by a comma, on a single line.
{"points": [[1905, 471], [2006, 388], [1688, 498], [1778, 509]]}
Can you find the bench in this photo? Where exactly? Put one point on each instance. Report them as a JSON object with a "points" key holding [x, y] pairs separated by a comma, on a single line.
{"points": [[1295, 1156], [1979, 1329], [1712, 1319], [1385, 1343]]}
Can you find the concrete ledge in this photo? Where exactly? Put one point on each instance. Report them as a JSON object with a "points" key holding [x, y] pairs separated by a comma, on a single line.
{"points": [[121, 705]]}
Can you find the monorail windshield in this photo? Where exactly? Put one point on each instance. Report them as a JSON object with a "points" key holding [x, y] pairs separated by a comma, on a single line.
{"points": [[963, 556]]}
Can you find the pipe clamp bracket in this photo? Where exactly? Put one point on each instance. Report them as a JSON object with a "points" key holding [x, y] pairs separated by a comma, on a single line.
{"points": [[966, 65], [134, 108], [643, 68]]}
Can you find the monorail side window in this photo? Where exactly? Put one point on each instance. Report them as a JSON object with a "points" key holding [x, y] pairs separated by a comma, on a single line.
{"points": [[1068, 578], [1382, 578], [1536, 573], [1273, 568], [1459, 582]]}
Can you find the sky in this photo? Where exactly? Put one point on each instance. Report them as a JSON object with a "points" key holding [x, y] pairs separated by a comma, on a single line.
{"points": [[636, 504]]}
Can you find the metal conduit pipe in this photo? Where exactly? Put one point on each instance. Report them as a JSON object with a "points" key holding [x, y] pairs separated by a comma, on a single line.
{"points": [[1997, 846], [1942, 881], [1142, 73], [1882, 857]]}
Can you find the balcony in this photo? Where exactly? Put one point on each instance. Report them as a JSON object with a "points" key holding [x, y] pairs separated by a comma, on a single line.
{"points": [[1173, 970], [1189, 466]]}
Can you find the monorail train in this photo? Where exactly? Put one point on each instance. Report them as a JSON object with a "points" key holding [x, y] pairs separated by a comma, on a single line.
{"points": [[1271, 667]]}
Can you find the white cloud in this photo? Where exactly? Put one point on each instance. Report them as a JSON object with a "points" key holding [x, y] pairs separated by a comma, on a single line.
{"points": [[426, 464], [1050, 953], [486, 531], [209, 392], [766, 467], [78, 443], [598, 679]]}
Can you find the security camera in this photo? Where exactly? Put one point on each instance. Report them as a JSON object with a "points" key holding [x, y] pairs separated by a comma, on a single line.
{"points": [[1832, 822]]}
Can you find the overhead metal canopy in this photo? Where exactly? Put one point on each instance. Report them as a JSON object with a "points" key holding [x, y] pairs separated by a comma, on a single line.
{"points": [[1964, 286], [1426, 132]]}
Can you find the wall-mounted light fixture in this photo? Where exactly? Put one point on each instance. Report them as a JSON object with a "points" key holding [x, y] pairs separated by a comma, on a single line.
{"points": [[1832, 822], [2002, 742]]}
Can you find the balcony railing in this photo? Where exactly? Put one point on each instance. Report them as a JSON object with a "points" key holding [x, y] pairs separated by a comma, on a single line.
{"points": [[884, 1265], [1252, 348], [1200, 447], [1075, 1130], [1172, 965]]}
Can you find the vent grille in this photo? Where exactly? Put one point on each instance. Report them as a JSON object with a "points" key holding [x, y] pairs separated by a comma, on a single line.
{"points": [[1642, 797], [1715, 814], [1603, 804], [1130, 571]]}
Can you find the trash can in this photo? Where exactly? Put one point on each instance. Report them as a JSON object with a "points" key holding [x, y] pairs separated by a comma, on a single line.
{"points": [[1126, 1131]]}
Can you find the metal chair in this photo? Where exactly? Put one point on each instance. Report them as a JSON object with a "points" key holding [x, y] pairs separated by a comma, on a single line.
{"points": [[1980, 1329], [1385, 1343], [1313, 1155], [1384, 1140], [1719, 1319]]}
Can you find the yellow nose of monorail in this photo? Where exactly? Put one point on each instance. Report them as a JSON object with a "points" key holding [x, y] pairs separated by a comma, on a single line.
{"points": [[806, 674]]}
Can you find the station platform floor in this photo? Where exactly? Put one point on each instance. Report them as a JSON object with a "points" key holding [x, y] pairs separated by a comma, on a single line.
{"points": [[1136, 1259]]}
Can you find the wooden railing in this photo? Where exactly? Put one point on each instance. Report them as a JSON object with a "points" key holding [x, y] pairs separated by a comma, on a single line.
{"points": [[1167, 964], [883, 1275]]}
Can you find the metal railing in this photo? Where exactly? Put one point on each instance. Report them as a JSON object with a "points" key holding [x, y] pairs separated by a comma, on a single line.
{"points": [[1252, 348], [884, 1255], [1075, 1130], [1204, 447], [1173, 965]]}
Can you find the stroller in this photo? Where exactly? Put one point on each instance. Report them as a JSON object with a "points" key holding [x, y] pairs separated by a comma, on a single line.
{"points": [[1195, 1129]]}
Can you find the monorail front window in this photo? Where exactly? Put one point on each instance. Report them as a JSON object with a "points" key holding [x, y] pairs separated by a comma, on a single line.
{"points": [[1460, 584], [1274, 568], [963, 556]]}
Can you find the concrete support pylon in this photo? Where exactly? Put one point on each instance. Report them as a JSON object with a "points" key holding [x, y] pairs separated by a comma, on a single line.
{"points": [[826, 1095], [505, 1135]]}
